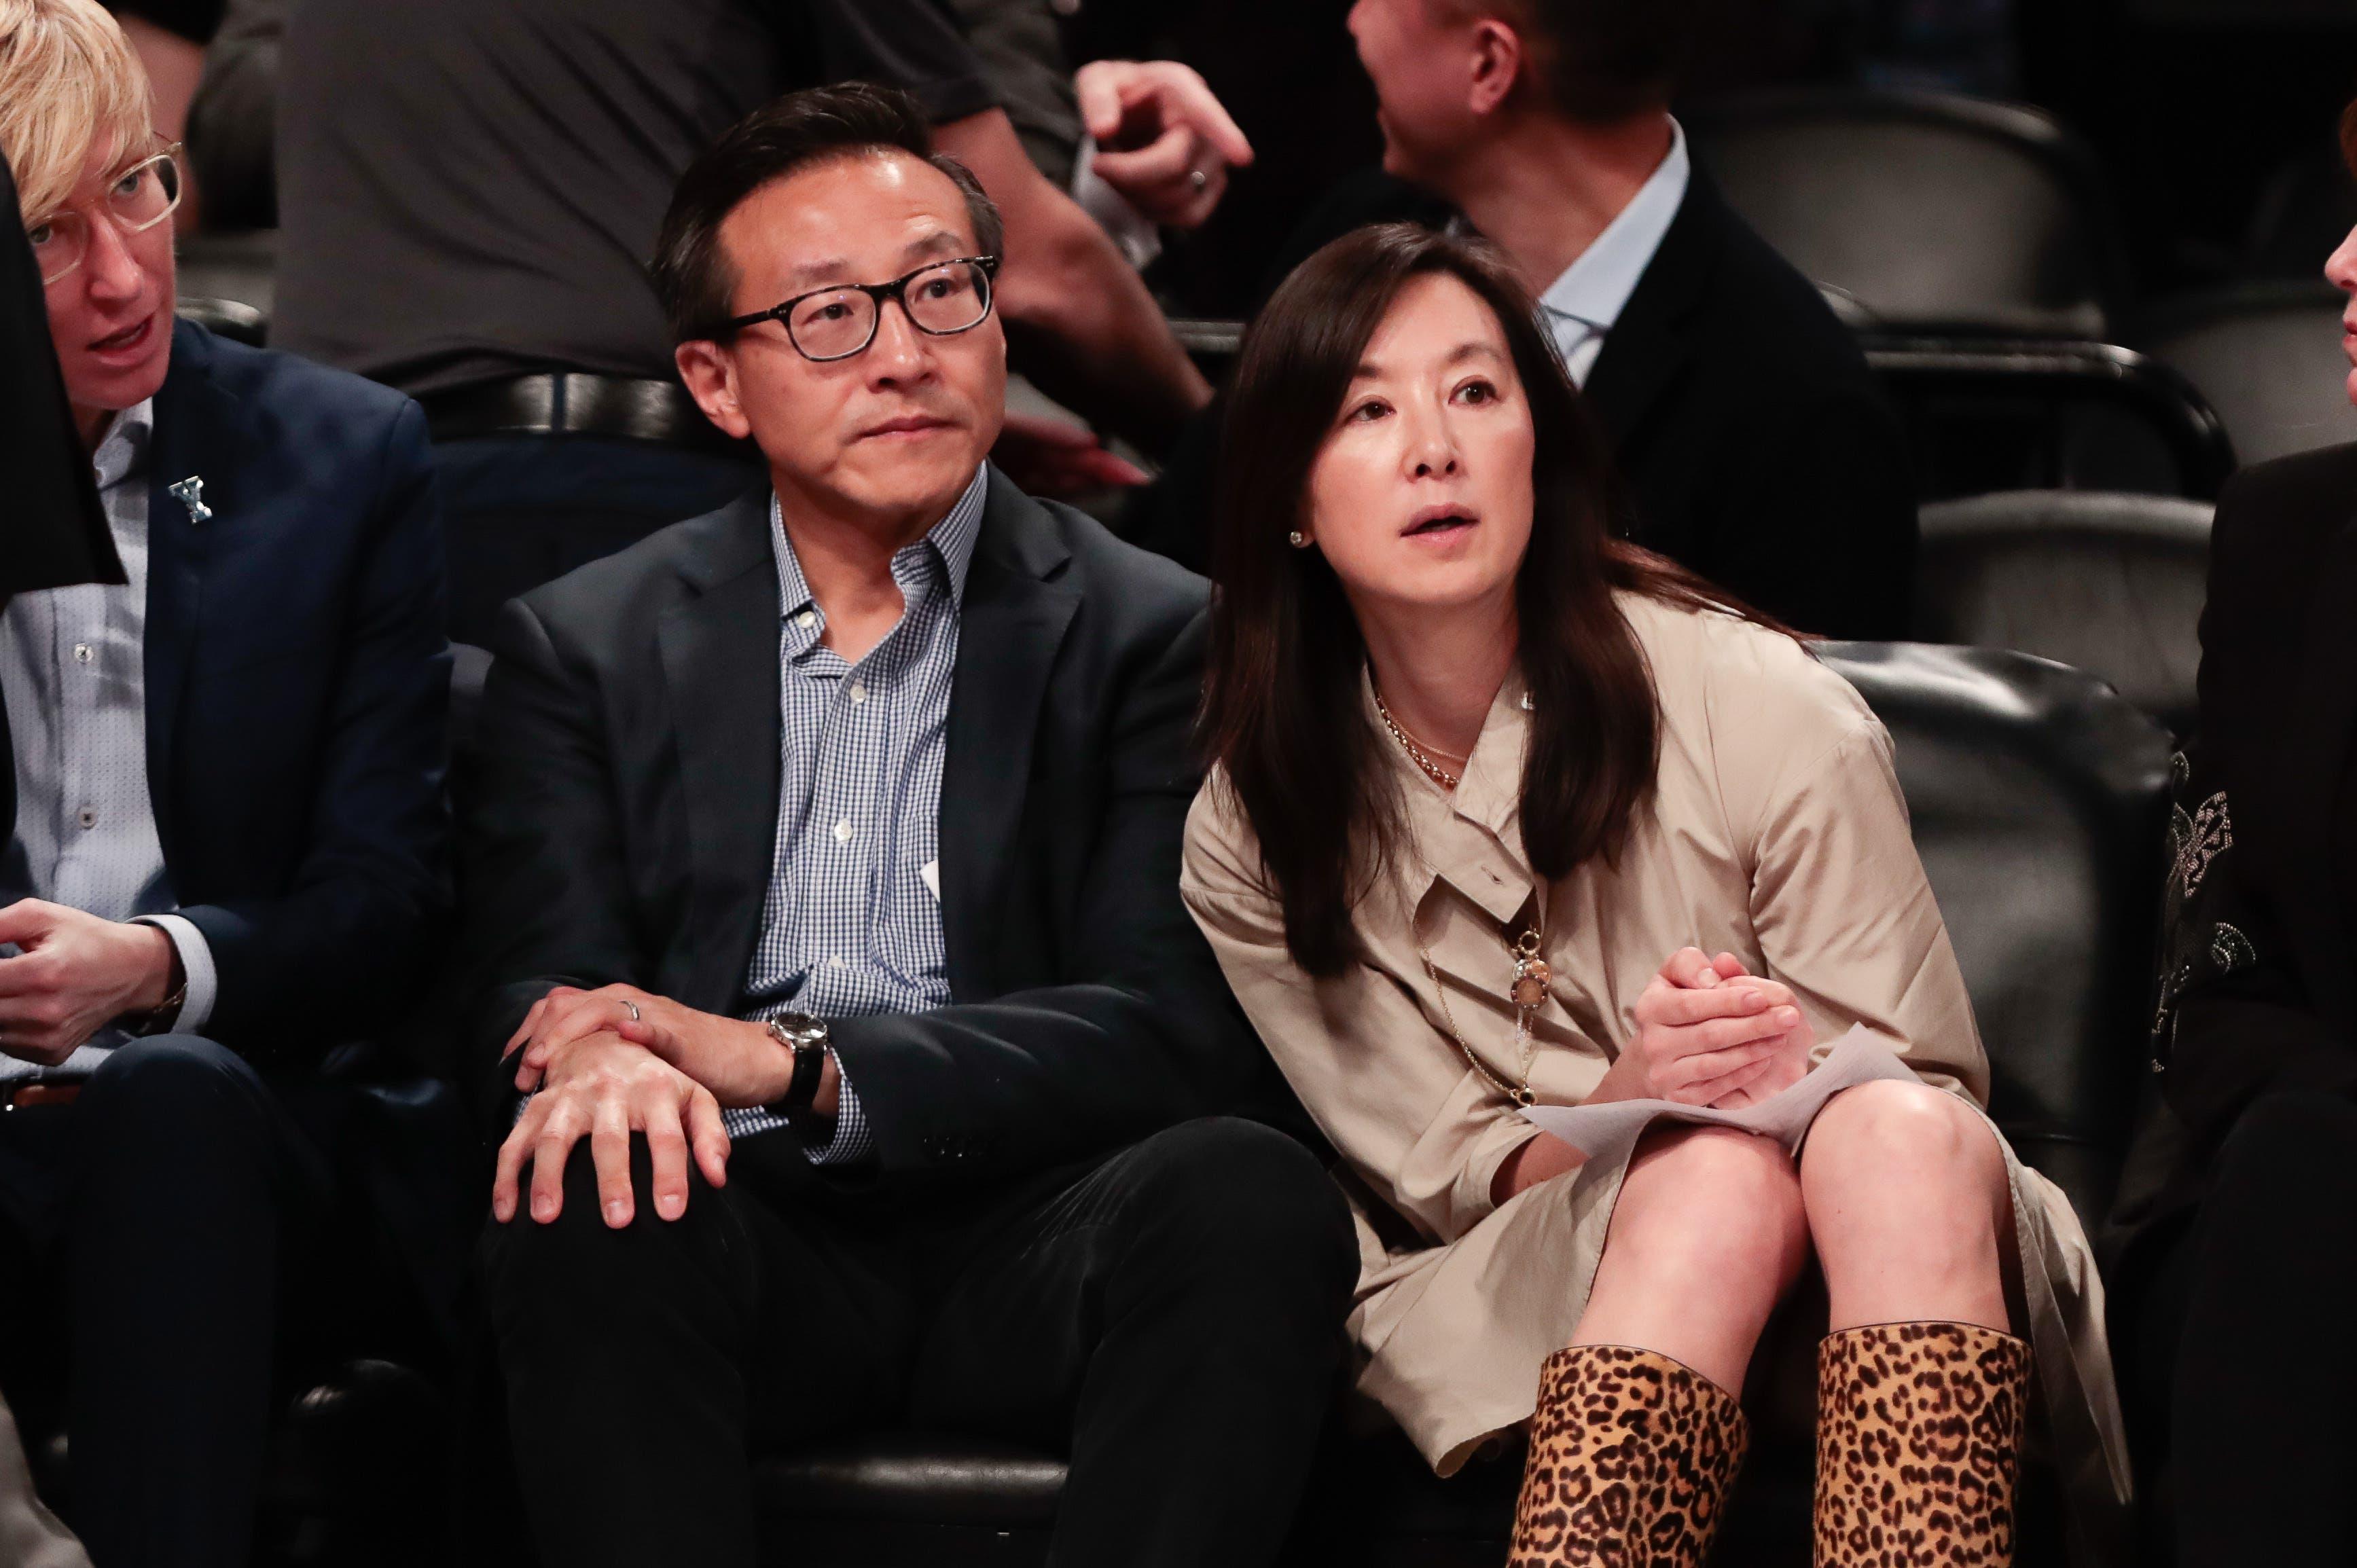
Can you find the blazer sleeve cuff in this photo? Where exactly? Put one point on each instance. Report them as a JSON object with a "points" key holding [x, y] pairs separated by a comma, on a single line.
{"points": [[851, 1139]]}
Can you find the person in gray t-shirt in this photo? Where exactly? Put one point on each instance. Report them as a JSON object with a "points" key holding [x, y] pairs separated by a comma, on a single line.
{"points": [[468, 192]]}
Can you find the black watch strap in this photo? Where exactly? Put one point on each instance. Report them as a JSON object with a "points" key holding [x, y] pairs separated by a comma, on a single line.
{"points": [[807, 1038], [810, 1067]]}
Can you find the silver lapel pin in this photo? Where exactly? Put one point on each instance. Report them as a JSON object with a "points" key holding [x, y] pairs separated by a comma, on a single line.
{"points": [[190, 493]]}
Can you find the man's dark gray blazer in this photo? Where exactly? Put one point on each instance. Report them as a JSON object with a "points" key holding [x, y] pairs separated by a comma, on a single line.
{"points": [[626, 815], [298, 691]]}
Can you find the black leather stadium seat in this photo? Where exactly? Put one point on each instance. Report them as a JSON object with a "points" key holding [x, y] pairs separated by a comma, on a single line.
{"points": [[2037, 796], [230, 282], [224, 317], [2268, 357], [908, 1498], [1986, 414], [2110, 584], [1929, 211], [1992, 414]]}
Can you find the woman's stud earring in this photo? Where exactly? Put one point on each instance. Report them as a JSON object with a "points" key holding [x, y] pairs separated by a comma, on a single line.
{"points": [[1297, 539]]}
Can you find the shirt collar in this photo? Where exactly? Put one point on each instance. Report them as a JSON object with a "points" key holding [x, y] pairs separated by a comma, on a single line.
{"points": [[122, 451], [1594, 290], [950, 541]]}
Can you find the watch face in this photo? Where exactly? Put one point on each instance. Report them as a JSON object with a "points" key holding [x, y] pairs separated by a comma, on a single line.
{"points": [[801, 1029]]}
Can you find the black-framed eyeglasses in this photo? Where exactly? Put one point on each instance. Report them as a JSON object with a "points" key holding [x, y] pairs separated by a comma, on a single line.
{"points": [[940, 298]]}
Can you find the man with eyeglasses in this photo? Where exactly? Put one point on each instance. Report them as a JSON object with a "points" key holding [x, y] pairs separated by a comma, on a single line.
{"points": [[824, 862], [227, 846]]}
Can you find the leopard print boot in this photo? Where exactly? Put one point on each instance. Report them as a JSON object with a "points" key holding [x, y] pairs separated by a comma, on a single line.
{"points": [[1632, 1455], [1919, 1439]]}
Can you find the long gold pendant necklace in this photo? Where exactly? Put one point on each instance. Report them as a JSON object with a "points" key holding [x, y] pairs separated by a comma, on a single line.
{"points": [[1528, 992]]}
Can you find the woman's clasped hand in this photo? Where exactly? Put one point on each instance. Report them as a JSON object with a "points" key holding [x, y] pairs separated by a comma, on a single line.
{"points": [[1711, 1033]]}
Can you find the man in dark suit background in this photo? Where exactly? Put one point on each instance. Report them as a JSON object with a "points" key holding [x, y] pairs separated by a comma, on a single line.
{"points": [[228, 846], [505, 289], [1759, 449], [825, 860]]}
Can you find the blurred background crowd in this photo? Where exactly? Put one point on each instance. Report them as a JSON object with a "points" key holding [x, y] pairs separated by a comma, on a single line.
{"points": [[2080, 240], [2211, 119]]}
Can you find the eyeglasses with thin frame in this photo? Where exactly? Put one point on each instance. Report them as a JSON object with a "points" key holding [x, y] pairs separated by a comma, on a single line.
{"points": [[136, 199], [941, 299]]}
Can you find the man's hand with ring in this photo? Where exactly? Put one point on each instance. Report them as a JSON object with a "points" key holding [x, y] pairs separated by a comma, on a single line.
{"points": [[568, 1014], [1164, 139], [605, 1089], [741, 1063]]}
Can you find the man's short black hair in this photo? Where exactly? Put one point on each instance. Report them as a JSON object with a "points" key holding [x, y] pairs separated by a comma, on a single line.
{"points": [[820, 124], [1604, 61]]}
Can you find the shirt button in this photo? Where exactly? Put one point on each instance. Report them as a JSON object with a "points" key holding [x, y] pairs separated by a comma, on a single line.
{"points": [[835, 961], [84, 653], [858, 693], [843, 830], [87, 817], [806, 621]]}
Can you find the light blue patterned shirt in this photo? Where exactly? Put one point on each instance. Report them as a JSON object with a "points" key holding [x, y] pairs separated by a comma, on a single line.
{"points": [[1579, 310], [73, 676], [852, 927]]}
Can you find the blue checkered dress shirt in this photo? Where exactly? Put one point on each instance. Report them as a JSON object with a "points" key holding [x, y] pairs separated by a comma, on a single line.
{"points": [[852, 926]]}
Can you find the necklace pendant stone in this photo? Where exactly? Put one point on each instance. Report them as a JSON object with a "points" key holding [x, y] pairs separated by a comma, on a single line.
{"points": [[1531, 978]]}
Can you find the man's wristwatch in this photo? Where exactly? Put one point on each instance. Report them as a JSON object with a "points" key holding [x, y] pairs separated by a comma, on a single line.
{"points": [[807, 1038]]}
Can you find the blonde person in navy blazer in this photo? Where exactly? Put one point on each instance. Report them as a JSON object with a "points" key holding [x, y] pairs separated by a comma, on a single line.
{"points": [[228, 846]]}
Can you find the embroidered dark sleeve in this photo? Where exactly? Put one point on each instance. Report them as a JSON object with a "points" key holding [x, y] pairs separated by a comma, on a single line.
{"points": [[2203, 938]]}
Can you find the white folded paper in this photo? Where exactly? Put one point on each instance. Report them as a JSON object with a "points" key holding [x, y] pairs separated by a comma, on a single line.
{"points": [[1613, 1127]]}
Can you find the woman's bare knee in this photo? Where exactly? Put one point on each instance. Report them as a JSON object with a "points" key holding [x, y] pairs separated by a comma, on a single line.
{"points": [[1908, 1205], [1890, 1136], [1713, 1199]]}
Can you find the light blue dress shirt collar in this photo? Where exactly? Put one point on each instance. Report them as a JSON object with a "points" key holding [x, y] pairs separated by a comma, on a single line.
{"points": [[122, 451], [1580, 307], [950, 541]]}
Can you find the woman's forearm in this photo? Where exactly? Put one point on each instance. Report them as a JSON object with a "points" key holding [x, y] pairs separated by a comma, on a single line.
{"points": [[1541, 1159]]}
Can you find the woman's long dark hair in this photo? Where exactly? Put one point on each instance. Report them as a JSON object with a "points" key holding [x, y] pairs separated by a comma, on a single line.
{"points": [[1282, 710]]}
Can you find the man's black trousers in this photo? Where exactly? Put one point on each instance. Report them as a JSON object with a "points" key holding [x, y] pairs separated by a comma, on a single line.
{"points": [[2238, 1368], [142, 1234], [1171, 1318]]}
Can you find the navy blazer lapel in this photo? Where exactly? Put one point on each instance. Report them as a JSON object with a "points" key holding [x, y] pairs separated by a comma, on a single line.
{"points": [[719, 654], [1649, 345], [197, 435], [1010, 626]]}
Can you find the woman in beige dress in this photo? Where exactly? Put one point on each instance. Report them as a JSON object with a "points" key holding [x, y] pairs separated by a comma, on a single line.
{"points": [[1490, 785]]}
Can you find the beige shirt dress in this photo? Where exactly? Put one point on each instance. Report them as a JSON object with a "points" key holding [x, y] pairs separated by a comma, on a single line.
{"points": [[1777, 833]]}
